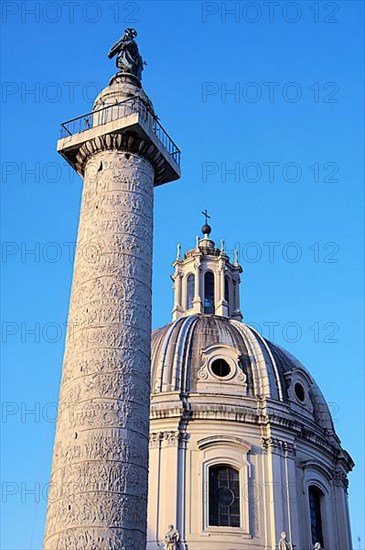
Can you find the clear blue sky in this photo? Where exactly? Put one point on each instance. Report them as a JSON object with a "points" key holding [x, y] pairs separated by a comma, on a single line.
{"points": [[298, 184]]}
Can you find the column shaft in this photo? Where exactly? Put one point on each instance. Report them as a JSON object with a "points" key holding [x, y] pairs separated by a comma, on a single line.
{"points": [[98, 494]]}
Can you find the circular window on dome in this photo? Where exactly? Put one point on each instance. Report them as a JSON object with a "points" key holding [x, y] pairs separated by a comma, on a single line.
{"points": [[220, 368], [299, 392]]}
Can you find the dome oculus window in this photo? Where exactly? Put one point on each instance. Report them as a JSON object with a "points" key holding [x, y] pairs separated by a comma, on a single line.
{"points": [[220, 368], [299, 392]]}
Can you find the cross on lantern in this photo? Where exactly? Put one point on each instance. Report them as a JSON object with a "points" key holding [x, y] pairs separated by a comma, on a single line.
{"points": [[205, 213]]}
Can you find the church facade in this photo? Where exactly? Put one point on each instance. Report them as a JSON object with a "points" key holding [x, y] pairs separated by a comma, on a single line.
{"points": [[243, 451]]}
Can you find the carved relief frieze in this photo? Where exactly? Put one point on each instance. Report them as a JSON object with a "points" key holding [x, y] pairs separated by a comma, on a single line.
{"points": [[127, 142]]}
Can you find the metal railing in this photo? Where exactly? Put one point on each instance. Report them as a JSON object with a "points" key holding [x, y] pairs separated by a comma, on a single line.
{"points": [[120, 110]]}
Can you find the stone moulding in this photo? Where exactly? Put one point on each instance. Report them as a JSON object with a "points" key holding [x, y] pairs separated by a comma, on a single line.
{"points": [[128, 142], [223, 439]]}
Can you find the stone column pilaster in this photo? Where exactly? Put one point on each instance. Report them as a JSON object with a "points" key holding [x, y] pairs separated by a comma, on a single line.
{"points": [[236, 314], [177, 312], [222, 305], [197, 302]]}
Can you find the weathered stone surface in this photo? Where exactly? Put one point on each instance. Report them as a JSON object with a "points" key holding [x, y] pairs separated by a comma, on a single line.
{"points": [[95, 539], [98, 490]]}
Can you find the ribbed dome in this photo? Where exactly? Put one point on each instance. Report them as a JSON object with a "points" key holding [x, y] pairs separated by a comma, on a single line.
{"points": [[268, 370]]}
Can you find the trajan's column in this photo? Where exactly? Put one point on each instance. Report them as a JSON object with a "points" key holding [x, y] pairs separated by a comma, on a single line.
{"points": [[98, 490]]}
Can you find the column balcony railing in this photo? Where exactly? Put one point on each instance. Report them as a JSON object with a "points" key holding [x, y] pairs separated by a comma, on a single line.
{"points": [[112, 112]]}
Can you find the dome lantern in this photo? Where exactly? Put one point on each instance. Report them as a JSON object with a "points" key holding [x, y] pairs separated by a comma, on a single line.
{"points": [[206, 281]]}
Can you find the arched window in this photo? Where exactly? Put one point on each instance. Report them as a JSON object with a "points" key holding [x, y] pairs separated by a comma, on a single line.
{"points": [[226, 289], [190, 290], [209, 305], [315, 497], [224, 496]]}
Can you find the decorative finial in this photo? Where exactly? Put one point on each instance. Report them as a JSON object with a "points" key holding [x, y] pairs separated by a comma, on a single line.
{"points": [[197, 241], [235, 262], [178, 252], [222, 246], [206, 229], [128, 57]]}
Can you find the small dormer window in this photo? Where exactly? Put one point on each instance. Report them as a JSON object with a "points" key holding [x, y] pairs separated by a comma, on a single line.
{"points": [[209, 305], [190, 290]]}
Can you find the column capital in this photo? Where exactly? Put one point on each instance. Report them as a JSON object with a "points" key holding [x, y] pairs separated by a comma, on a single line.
{"points": [[279, 446], [127, 143]]}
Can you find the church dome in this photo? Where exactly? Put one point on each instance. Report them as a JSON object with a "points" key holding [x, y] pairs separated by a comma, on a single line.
{"points": [[242, 444], [185, 352]]}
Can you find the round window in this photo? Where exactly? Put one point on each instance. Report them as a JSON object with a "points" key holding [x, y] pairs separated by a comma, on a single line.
{"points": [[224, 496], [220, 368], [299, 392]]}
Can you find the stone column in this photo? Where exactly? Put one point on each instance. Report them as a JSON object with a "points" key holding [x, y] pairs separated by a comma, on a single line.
{"points": [[178, 290], [197, 302], [222, 304], [100, 461], [236, 312], [178, 309], [98, 492]]}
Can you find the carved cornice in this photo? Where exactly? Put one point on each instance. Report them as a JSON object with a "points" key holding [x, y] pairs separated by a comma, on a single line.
{"points": [[301, 429], [209, 408], [128, 142], [310, 435], [224, 412]]}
